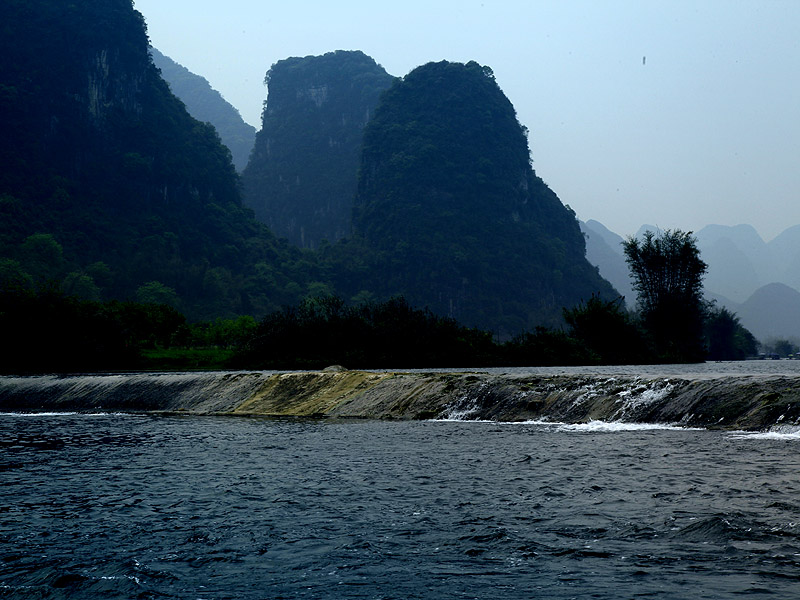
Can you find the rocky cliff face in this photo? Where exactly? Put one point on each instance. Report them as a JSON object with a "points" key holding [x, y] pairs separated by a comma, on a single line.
{"points": [[71, 73], [301, 177]]}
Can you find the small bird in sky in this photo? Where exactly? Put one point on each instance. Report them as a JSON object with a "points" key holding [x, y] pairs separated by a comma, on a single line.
{"points": [[644, 60]]}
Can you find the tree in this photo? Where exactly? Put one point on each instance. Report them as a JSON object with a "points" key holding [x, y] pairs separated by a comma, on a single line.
{"points": [[42, 257], [782, 347], [667, 274], [155, 292], [727, 338], [606, 329]]}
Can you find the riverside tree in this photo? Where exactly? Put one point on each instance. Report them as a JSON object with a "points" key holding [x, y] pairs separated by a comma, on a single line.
{"points": [[667, 274]]}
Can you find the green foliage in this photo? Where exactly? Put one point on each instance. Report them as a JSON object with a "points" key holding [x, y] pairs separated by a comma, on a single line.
{"points": [[607, 331], [186, 359], [668, 277], [101, 164], [726, 338], [155, 292], [782, 347], [223, 333], [324, 331], [45, 330], [42, 257], [81, 285], [13, 276], [546, 347]]}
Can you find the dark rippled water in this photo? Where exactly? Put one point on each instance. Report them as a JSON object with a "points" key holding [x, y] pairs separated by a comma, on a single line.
{"points": [[122, 506]]}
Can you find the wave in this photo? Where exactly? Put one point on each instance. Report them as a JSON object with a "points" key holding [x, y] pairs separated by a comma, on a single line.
{"points": [[777, 432], [67, 414], [619, 426]]}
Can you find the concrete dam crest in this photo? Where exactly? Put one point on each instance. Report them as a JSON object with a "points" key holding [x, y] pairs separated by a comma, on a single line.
{"points": [[722, 400]]}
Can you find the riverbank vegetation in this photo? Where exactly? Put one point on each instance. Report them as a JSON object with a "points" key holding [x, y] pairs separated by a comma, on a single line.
{"points": [[47, 331]]}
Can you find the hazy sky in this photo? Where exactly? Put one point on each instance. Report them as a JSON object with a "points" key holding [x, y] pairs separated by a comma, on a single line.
{"points": [[672, 113]]}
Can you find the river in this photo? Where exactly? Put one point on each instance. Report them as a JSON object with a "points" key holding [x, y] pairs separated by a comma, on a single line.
{"points": [[115, 505]]}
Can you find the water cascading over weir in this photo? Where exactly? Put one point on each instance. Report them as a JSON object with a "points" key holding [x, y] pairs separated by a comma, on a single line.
{"points": [[753, 402]]}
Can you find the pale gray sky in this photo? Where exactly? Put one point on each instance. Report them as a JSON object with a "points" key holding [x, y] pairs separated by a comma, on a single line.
{"points": [[674, 113]]}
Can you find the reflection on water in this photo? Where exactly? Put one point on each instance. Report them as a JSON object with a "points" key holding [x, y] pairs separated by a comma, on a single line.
{"points": [[121, 506]]}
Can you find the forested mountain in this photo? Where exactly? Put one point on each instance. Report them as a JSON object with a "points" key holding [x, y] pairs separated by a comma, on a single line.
{"points": [[108, 185], [110, 189], [206, 104], [450, 205], [301, 178]]}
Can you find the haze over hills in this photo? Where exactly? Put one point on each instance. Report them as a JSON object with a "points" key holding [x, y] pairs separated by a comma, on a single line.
{"points": [[604, 250], [206, 104], [771, 312], [757, 280], [301, 178]]}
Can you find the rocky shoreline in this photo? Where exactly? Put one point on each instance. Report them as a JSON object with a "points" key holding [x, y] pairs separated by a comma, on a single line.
{"points": [[736, 402]]}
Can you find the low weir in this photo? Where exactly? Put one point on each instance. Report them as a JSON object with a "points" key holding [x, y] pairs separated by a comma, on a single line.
{"points": [[754, 401]]}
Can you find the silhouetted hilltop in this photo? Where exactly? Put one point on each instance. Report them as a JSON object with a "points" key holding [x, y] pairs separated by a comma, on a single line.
{"points": [[738, 260], [772, 311], [206, 104], [448, 200], [301, 177]]}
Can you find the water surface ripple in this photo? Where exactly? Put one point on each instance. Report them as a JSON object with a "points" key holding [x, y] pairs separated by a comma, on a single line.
{"points": [[132, 506]]}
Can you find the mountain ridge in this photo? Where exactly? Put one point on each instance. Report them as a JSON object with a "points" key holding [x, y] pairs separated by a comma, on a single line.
{"points": [[206, 104], [104, 169]]}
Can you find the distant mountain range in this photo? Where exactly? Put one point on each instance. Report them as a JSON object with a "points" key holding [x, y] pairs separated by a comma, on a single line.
{"points": [[757, 280]]}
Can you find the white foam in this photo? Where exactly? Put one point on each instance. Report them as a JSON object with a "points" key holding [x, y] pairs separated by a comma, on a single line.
{"points": [[618, 426], [38, 414], [643, 395], [778, 432], [66, 414], [593, 426]]}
